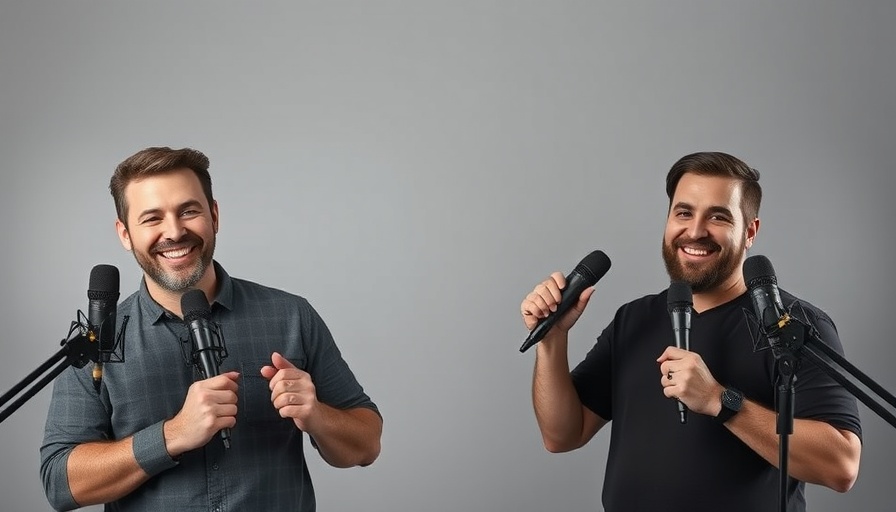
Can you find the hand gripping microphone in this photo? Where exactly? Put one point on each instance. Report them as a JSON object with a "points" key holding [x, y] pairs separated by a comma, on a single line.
{"points": [[208, 349], [679, 299], [586, 274], [102, 295]]}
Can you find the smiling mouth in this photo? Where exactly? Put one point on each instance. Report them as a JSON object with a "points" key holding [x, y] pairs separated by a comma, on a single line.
{"points": [[173, 254], [693, 251], [177, 253]]}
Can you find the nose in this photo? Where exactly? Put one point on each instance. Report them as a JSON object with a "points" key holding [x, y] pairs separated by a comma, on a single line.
{"points": [[173, 227], [697, 229]]}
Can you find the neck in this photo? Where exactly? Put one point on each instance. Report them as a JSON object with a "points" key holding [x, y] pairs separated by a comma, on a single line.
{"points": [[170, 300], [727, 291]]}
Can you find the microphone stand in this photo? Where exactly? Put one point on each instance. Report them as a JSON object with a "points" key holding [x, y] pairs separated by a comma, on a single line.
{"points": [[798, 338], [78, 348]]}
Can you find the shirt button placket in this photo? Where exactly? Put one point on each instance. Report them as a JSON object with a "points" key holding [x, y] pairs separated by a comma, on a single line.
{"points": [[215, 478]]}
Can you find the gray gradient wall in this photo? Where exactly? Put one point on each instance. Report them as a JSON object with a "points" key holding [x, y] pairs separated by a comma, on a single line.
{"points": [[414, 168]]}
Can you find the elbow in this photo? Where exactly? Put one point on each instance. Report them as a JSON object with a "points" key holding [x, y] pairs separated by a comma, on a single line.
{"points": [[373, 446], [557, 445], [845, 477], [833, 462], [556, 448], [844, 483], [362, 453], [372, 453], [360, 460], [54, 476], [57, 499], [565, 436], [565, 441], [846, 471], [60, 503]]}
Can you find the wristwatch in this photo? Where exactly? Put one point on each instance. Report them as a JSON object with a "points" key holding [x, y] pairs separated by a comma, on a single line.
{"points": [[732, 400]]}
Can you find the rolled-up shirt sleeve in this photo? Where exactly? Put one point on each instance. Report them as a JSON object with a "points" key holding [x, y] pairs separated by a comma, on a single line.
{"points": [[79, 414]]}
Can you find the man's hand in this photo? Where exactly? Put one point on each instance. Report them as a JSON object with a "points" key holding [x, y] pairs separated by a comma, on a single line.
{"points": [[684, 376], [292, 391], [545, 298], [210, 406]]}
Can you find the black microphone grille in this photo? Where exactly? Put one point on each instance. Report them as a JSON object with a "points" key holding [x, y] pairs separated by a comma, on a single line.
{"points": [[194, 305], [758, 271], [104, 282], [679, 295], [593, 267]]}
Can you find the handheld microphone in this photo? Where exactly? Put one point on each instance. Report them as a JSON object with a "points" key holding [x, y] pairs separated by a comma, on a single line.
{"points": [[586, 274], [679, 300], [207, 347], [102, 295]]}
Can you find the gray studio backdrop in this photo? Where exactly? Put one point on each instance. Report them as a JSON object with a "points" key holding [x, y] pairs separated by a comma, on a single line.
{"points": [[414, 168]]}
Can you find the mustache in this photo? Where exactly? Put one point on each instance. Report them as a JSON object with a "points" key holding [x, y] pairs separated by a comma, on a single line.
{"points": [[700, 243], [167, 245]]}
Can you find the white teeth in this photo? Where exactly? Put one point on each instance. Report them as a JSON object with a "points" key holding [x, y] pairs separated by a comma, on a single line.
{"points": [[177, 253], [695, 252]]}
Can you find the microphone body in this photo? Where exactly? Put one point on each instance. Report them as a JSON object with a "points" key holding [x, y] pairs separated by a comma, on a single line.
{"points": [[206, 350], [680, 302], [586, 274], [102, 308], [762, 285]]}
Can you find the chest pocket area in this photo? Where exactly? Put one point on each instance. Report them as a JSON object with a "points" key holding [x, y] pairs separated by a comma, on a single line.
{"points": [[255, 396]]}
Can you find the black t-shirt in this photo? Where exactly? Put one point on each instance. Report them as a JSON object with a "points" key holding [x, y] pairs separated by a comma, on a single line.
{"points": [[657, 463]]}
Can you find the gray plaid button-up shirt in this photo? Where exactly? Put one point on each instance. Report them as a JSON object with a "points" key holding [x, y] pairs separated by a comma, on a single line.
{"points": [[265, 467]]}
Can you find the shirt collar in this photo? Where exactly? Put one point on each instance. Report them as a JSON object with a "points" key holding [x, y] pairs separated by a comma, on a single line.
{"points": [[151, 309]]}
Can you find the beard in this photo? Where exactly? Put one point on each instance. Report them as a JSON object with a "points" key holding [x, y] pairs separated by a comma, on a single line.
{"points": [[179, 280], [702, 277]]}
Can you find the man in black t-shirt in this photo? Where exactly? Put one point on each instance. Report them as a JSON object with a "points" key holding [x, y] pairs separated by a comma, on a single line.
{"points": [[726, 456]]}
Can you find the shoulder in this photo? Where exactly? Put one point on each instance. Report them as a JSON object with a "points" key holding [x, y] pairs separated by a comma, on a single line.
{"points": [[257, 299], [804, 310], [639, 312], [644, 305], [252, 291]]}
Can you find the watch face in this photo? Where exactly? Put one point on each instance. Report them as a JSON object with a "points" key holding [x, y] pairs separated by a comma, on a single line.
{"points": [[732, 399]]}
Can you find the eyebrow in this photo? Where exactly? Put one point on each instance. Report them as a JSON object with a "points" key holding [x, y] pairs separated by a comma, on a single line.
{"points": [[180, 207]]}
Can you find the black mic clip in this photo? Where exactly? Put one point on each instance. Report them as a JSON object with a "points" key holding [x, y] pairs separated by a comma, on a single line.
{"points": [[95, 333], [785, 335], [83, 343], [192, 355], [79, 343]]}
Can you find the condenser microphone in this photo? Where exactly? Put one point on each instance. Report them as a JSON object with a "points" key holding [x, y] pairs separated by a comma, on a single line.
{"points": [[762, 285], [102, 306], [586, 274], [680, 300], [206, 347]]}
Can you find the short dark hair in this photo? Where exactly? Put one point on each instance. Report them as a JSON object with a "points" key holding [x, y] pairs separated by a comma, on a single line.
{"points": [[724, 165], [154, 161]]}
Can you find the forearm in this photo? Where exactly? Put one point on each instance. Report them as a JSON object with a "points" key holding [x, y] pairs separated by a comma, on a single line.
{"points": [[346, 438], [818, 452], [104, 471], [558, 409]]}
